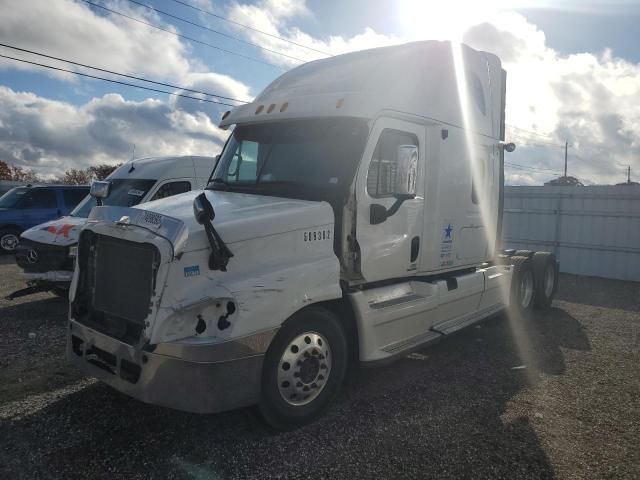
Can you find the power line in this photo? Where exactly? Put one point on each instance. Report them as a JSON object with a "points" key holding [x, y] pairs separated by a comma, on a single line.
{"points": [[191, 39], [162, 12], [542, 135], [537, 143], [526, 167], [121, 74], [530, 167], [209, 12], [116, 81]]}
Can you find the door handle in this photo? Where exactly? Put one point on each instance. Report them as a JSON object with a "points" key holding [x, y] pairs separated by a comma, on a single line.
{"points": [[415, 248]]}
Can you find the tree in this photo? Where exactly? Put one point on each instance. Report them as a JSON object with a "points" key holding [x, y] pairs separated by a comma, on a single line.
{"points": [[102, 171], [76, 177], [5, 171], [25, 175]]}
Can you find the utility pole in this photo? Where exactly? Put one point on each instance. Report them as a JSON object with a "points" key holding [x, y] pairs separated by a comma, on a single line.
{"points": [[566, 146], [629, 174]]}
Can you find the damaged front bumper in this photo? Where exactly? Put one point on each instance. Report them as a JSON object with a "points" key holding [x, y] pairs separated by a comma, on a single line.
{"points": [[192, 376]]}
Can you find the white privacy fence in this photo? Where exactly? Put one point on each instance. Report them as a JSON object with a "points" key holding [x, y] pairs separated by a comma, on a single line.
{"points": [[593, 230]]}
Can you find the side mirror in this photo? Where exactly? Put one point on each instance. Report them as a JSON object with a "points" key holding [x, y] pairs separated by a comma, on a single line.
{"points": [[100, 189], [377, 214], [406, 172], [202, 209], [508, 147]]}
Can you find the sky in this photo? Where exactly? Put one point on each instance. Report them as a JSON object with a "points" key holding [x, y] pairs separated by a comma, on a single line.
{"points": [[573, 73]]}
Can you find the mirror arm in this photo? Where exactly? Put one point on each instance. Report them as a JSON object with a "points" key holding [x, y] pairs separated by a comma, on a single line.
{"points": [[220, 253], [396, 206], [376, 216], [204, 214]]}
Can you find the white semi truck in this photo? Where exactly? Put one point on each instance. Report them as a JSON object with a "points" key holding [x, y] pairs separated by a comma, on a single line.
{"points": [[355, 213]]}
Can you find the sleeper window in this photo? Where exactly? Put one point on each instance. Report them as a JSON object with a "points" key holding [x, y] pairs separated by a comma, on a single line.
{"points": [[381, 178]]}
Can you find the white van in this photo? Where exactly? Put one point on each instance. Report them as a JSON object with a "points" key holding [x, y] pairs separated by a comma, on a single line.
{"points": [[43, 251]]}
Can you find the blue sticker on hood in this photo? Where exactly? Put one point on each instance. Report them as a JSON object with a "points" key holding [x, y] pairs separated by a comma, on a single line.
{"points": [[192, 271]]}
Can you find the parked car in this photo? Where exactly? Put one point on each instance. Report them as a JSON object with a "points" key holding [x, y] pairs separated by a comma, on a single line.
{"points": [[24, 207], [44, 251], [6, 185]]}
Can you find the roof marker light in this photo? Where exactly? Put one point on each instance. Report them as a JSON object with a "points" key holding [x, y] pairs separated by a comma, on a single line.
{"points": [[271, 107], [226, 114], [339, 103], [259, 109], [284, 106]]}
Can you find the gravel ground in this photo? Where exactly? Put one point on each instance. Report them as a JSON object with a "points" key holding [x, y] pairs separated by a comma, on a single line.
{"points": [[556, 396]]}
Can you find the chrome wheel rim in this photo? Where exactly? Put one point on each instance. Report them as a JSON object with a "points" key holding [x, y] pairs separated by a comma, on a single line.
{"points": [[526, 289], [549, 280], [9, 241], [304, 368]]}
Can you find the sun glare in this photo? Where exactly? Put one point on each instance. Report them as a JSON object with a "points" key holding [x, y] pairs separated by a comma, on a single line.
{"points": [[446, 20]]}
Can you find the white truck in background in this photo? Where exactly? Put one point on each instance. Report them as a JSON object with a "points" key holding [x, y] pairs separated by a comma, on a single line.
{"points": [[355, 213], [46, 252]]}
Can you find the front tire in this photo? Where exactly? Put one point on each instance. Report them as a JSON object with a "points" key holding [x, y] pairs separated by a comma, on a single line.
{"points": [[9, 238], [303, 368]]}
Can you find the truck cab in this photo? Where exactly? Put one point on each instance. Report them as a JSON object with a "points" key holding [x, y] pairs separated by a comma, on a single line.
{"points": [[354, 214]]}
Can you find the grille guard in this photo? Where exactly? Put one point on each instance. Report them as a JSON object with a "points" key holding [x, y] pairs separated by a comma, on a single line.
{"points": [[172, 229]]}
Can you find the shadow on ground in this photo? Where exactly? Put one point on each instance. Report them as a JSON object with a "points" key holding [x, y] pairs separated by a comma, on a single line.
{"points": [[439, 413], [599, 292]]}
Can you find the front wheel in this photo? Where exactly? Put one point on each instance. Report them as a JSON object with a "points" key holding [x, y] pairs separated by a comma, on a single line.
{"points": [[9, 238], [303, 369]]}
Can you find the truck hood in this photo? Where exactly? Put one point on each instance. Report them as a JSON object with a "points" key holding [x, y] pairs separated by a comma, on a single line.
{"points": [[62, 231], [241, 216]]}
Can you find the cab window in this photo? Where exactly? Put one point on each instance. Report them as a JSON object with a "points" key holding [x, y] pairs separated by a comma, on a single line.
{"points": [[172, 188], [40, 198], [381, 178]]}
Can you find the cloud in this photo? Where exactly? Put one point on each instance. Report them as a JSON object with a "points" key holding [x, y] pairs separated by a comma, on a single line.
{"points": [[71, 29], [52, 136], [587, 99], [275, 16]]}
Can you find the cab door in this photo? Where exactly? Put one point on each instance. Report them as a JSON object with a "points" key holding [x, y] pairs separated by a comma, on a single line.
{"points": [[389, 248]]}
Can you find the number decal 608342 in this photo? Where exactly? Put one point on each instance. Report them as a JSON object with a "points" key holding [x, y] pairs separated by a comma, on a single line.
{"points": [[317, 235]]}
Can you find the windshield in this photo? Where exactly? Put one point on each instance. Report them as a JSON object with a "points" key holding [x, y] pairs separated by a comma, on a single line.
{"points": [[124, 193], [300, 158], [12, 198]]}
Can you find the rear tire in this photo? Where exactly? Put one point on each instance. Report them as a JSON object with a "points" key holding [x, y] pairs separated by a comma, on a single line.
{"points": [[9, 238], [303, 368], [545, 273], [523, 291]]}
